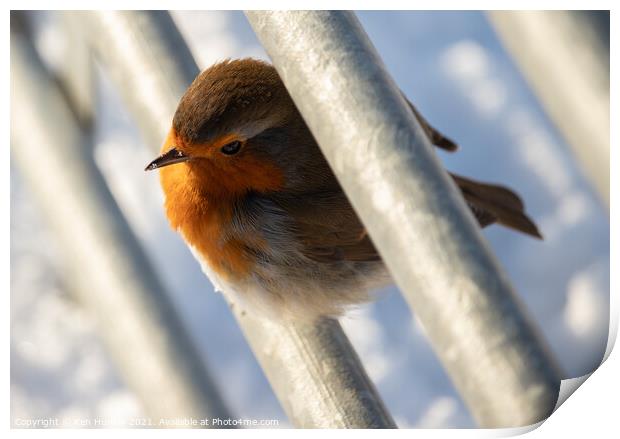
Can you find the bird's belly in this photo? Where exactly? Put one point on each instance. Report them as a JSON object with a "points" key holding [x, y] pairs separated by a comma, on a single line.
{"points": [[302, 289]]}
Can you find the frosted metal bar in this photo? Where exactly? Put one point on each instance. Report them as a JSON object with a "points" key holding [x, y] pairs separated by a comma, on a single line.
{"points": [[414, 213]]}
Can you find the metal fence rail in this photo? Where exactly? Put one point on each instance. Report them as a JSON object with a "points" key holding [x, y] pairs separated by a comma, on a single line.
{"points": [[312, 368], [109, 271], [416, 217], [570, 75]]}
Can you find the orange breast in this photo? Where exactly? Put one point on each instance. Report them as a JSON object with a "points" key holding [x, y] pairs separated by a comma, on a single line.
{"points": [[204, 223], [203, 216]]}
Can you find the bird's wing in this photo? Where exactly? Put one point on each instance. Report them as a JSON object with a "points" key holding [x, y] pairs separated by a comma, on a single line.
{"points": [[488, 202], [328, 228], [434, 136], [330, 231], [491, 203]]}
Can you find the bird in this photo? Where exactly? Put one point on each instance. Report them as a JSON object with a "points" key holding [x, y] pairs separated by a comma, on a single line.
{"points": [[249, 190]]}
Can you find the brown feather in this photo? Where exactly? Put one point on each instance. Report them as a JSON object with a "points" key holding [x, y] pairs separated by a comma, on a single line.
{"points": [[491, 203], [327, 226], [434, 136], [340, 236]]}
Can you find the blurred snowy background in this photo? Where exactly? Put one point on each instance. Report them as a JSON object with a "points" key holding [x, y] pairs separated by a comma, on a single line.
{"points": [[453, 68]]}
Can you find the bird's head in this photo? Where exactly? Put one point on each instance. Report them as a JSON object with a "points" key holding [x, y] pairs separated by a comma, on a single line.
{"points": [[236, 130]]}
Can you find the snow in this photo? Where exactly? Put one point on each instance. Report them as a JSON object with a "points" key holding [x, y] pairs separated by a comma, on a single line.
{"points": [[466, 85]]}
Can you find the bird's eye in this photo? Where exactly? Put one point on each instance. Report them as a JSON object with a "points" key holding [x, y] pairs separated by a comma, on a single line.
{"points": [[231, 148]]}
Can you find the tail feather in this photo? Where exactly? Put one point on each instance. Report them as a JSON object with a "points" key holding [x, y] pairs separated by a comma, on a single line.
{"points": [[492, 203]]}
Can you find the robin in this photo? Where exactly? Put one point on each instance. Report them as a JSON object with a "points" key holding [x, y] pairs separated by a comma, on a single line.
{"points": [[248, 188]]}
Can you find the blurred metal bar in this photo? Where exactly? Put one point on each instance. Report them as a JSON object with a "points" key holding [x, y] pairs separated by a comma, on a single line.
{"points": [[315, 373], [414, 213], [107, 266], [312, 368], [148, 60], [565, 57], [72, 67], [77, 75]]}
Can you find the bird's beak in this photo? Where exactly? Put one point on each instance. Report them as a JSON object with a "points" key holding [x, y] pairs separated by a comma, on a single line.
{"points": [[170, 157]]}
